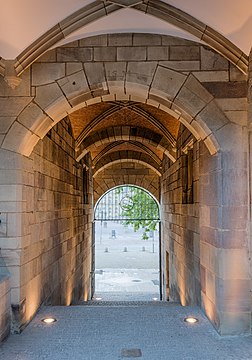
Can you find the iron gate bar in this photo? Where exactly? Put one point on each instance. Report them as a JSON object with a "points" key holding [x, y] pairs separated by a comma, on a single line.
{"points": [[126, 218]]}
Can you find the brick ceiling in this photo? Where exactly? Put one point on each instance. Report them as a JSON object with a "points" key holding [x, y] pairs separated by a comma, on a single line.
{"points": [[110, 129]]}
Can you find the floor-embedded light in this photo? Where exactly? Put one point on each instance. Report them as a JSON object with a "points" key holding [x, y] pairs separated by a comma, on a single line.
{"points": [[155, 299], [191, 320], [49, 320], [98, 298]]}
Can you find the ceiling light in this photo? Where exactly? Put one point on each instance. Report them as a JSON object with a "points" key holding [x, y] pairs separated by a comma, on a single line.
{"points": [[191, 320], [49, 320]]}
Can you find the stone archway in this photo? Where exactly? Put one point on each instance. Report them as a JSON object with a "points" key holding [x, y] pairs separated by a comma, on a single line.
{"points": [[180, 85]]}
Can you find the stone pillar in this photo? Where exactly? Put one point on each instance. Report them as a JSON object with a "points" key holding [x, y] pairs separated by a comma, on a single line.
{"points": [[13, 209], [225, 280]]}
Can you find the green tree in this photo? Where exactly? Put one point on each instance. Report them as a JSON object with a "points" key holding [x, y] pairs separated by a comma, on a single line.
{"points": [[140, 210]]}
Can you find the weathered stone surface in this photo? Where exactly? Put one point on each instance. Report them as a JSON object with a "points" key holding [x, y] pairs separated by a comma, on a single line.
{"points": [[184, 52], [193, 96], [95, 74], [74, 54], [120, 39], [157, 53], [227, 89], [5, 123], [100, 40], [74, 84], [72, 68], [210, 60], [105, 53], [47, 73], [141, 72], [167, 81], [146, 39], [11, 106], [115, 71], [131, 53]]}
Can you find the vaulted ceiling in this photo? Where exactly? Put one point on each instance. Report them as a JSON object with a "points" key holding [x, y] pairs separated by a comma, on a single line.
{"points": [[123, 130]]}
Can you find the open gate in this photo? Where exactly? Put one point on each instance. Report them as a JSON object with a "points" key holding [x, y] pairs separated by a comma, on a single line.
{"points": [[131, 205]]}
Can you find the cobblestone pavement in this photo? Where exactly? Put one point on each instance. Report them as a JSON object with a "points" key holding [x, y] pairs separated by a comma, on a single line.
{"points": [[151, 331]]}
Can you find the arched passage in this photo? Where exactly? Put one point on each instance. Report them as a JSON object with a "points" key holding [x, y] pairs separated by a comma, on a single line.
{"points": [[127, 246], [170, 96]]}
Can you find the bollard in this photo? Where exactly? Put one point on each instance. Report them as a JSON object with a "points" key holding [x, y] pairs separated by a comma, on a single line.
{"points": [[143, 248], [125, 249], [106, 250]]}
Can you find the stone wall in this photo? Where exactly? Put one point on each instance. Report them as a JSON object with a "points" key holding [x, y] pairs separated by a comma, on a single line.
{"points": [[180, 223], [123, 174], [55, 228], [4, 306]]}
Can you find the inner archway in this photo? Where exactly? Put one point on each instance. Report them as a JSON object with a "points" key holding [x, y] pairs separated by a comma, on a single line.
{"points": [[127, 246]]}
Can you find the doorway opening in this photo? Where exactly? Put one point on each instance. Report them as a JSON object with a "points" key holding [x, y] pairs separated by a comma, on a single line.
{"points": [[126, 264]]}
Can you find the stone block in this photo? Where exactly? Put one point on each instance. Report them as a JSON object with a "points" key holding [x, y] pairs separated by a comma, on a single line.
{"points": [[234, 323], [141, 72], [157, 53], [105, 53], [146, 39], [191, 52], [47, 73], [211, 76], [99, 40], [192, 96], [136, 53], [181, 65], [213, 117], [234, 217], [19, 139], [49, 56], [47, 94], [225, 90], [167, 81], [120, 39], [236, 74], [74, 85], [95, 74], [233, 265], [115, 71], [72, 68], [5, 123], [235, 182], [74, 54], [210, 60], [12, 106]]}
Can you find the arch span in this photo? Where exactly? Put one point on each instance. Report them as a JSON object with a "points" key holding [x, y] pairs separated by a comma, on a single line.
{"points": [[157, 8], [183, 97]]}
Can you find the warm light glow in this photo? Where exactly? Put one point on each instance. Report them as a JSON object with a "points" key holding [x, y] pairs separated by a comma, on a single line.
{"points": [[49, 320], [191, 320]]}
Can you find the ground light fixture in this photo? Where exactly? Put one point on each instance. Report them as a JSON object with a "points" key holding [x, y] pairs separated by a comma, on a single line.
{"points": [[49, 320], [191, 320]]}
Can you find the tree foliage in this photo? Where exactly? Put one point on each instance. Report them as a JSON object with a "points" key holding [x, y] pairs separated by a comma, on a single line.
{"points": [[140, 210]]}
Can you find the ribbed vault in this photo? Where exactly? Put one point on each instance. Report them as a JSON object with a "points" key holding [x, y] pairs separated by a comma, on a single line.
{"points": [[124, 132]]}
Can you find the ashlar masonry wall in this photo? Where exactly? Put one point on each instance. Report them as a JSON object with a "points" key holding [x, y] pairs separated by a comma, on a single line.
{"points": [[180, 222], [51, 263], [5, 322]]}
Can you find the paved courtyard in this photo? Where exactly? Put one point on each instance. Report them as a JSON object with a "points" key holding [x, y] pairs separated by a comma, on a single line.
{"points": [[150, 331], [127, 267]]}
